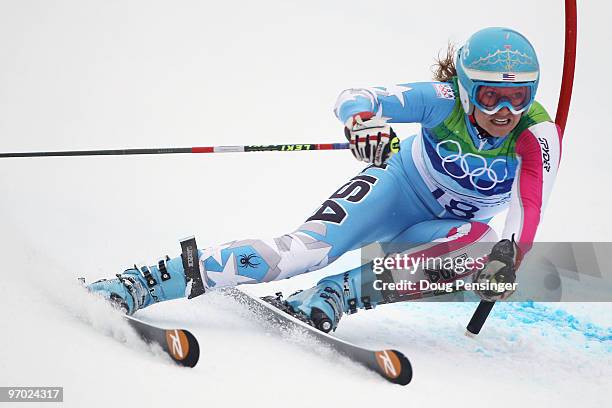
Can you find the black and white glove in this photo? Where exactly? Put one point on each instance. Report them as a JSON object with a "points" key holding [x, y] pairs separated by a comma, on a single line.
{"points": [[371, 139], [500, 268]]}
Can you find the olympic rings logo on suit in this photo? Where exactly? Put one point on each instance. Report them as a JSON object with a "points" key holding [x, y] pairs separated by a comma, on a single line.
{"points": [[483, 171]]}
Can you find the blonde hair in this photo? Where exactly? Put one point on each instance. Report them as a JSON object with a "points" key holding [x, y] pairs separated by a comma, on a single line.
{"points": [[444, 68]]}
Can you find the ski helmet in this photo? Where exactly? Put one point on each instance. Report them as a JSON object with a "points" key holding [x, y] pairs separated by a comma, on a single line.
{"points": [[497, 58]]}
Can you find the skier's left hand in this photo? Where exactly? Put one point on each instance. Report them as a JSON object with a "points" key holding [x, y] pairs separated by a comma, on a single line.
{"points": [[501, 267]]}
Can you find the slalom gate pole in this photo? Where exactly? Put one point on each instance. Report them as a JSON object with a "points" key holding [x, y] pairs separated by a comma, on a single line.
{"points": [[565, 96]]}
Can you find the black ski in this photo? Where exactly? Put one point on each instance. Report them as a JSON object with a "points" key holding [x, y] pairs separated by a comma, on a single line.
{"points": [[179, 344], [392, 365]]}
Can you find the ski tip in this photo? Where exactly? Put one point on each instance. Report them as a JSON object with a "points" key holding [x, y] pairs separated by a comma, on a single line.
{"points": [[183, 347], [394, 366]]}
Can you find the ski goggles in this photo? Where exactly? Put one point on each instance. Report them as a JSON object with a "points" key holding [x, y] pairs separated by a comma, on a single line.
{"points": [[491, 98]]}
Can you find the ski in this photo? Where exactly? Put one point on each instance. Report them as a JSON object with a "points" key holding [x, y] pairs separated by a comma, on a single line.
{"points": [[392, 365], [179, 344]]}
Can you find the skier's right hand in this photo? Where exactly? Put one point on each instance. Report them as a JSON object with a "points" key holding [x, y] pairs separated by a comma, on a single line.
{"points": [[371, 139]]}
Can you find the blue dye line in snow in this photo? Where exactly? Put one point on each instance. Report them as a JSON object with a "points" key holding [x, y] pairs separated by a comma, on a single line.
{"points": [[532, 313]]}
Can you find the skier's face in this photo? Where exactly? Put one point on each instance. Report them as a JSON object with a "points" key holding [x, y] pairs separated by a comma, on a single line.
{"points": [[499, 124]]}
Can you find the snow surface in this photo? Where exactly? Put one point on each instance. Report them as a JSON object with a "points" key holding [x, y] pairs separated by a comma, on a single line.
{"points": [[85, 75]]}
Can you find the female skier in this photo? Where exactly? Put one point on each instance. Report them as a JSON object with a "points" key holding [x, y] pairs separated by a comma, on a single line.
{"points": [[485, 146]]}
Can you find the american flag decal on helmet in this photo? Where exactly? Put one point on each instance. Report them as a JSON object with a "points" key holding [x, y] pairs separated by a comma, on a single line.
{"points": [[506, 76]]}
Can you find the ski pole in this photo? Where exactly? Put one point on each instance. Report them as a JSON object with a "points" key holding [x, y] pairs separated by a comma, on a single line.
{"points": [[479, 317], [184, 150]]}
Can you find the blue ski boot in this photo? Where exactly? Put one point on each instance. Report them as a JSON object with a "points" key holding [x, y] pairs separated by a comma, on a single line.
{"points": [[139, 287], [324, 304]]}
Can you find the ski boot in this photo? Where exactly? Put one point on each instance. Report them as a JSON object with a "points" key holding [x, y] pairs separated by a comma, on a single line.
{"points": [[323, 305], [139, 287]]}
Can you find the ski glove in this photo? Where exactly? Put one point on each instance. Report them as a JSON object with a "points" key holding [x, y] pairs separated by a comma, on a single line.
{"points": [[371, 139], [500, 268]]}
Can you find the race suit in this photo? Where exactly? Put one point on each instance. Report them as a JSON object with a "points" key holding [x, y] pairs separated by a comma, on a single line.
{"points": [[442, 179], [443, 186]]}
